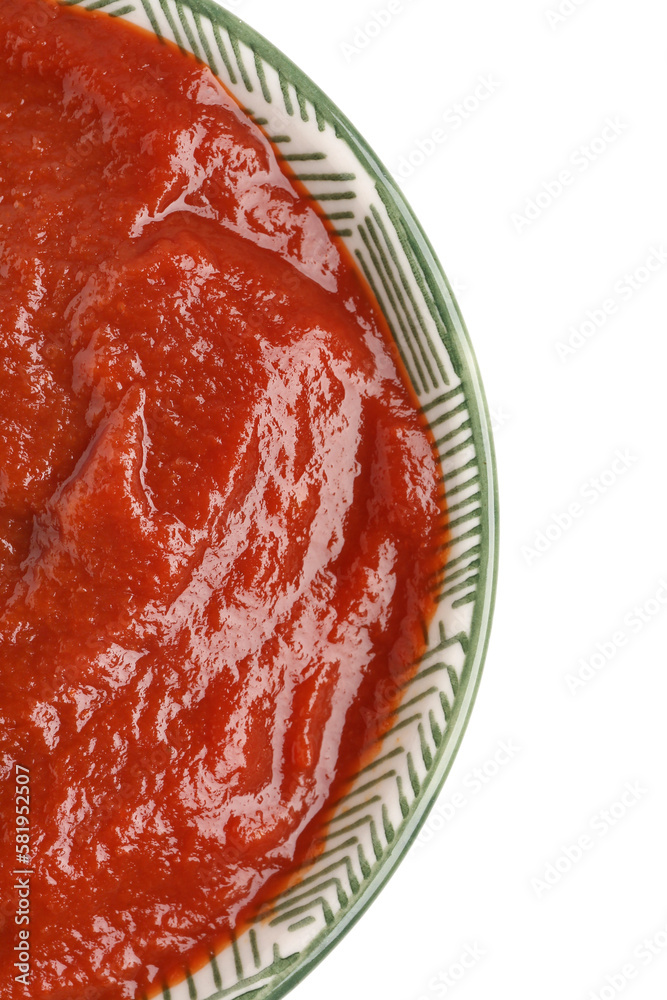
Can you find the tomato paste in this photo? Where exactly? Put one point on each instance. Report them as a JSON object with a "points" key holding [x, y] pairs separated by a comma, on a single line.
{"points": [[219, 511]]}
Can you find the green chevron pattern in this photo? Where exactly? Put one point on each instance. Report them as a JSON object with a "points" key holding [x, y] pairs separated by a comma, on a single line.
{"points": [[367, 831]]}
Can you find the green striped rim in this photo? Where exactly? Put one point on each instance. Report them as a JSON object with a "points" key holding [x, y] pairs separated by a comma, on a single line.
{"points": [[370, 828]]}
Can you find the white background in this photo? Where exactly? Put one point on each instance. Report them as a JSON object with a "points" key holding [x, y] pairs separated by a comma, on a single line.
{"points": [[481, 881]]}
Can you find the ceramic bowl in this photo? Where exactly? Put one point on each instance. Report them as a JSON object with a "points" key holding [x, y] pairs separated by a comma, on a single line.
{"points": [[371, 827]]}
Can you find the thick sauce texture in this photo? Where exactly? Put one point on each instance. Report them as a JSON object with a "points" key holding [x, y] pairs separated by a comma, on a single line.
{"points": [[219, 508]]}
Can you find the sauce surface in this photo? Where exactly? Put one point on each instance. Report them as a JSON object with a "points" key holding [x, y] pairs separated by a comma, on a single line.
{"points": [[219, 508]]}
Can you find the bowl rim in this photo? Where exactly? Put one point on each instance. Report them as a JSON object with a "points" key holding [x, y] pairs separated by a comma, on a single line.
{"points": [[459, 344]]}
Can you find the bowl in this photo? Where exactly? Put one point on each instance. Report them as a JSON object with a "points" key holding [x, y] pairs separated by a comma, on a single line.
{"points": [[369, 830]]}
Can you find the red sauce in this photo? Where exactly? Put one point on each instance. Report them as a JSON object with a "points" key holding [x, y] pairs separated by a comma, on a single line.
{"points": [[218, 508]]}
